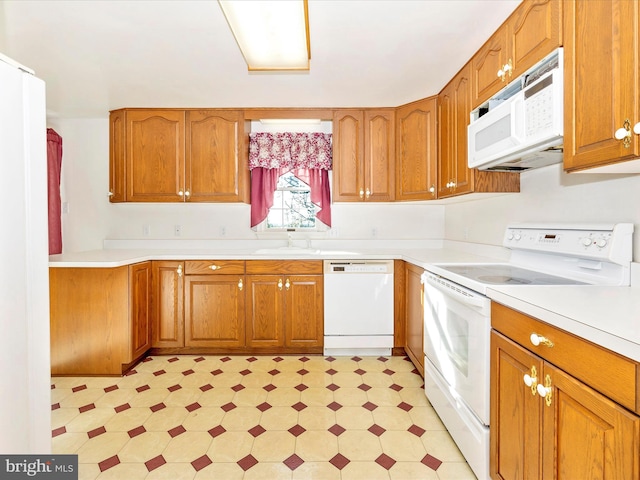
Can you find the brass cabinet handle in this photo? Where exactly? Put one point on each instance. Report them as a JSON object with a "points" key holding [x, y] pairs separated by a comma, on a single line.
{"points": [[507, 69], [240, 284], [536, 340], [624, 133], [280, 284], [545, 391], [180, 193], [531, 381], [361, 193], [179, 270], [367, 193], [287, 284], [636, 128], [215, 267]]}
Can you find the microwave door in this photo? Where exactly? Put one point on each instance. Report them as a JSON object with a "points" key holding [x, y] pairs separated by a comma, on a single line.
{"points": [[497, 133]]}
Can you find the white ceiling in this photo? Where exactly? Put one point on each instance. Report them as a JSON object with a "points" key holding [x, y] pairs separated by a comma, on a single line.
{"points": [[97, 56]]}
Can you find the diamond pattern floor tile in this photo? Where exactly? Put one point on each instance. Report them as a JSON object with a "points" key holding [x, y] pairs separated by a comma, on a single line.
{"points": [[243, 417]]}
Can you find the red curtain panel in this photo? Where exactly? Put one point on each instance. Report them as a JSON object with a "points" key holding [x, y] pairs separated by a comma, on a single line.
{"points": [[54, 166]]}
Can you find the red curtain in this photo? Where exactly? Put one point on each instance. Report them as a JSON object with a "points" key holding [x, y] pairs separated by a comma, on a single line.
{"points": [[54, 166], [307, 155], [264, 182]]}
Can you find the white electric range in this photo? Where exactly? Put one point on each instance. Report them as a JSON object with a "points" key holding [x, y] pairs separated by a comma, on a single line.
{"points": [[458, 322]]}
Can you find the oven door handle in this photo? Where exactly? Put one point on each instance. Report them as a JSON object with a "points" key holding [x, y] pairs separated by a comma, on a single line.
{"points": [[463, 295]]}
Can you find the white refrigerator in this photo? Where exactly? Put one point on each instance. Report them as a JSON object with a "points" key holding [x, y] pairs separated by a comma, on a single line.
{"points": [[25, 399]]}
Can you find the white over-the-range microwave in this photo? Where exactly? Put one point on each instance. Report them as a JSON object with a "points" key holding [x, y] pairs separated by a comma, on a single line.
{"points": [[522, 126]]}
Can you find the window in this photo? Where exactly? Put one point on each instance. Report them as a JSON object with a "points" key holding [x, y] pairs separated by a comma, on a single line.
{"points": [[292, 206]]}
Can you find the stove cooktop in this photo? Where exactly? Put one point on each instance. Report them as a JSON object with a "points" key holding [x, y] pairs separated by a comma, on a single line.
{"points": [[505, 274]]}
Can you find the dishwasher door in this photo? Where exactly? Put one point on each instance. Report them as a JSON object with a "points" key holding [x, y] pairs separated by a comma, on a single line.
{"points": [[358, 307]]}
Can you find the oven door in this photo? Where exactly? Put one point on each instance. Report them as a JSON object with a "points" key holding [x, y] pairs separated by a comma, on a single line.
{"points": [[456, 339]]}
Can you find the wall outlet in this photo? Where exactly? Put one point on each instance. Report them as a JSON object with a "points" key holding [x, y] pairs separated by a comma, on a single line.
{"points": [[177, 230], [223, 231], [374, 232], [146, 230], [65, 207]]}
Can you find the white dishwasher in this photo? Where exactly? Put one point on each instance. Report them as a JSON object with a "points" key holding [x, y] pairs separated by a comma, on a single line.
{"points": [[358, 307]]}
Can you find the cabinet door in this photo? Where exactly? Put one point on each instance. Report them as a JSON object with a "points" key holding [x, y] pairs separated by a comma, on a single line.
{"points": [[167, 300], [516, 413], [587, 435], [416, 150], [155, 155], [214, 311], [304, 311], [379, 166], [601, 83], [415, 317], [348, 155], [117, 156], [265, 311], [454, 177], [534, 32], [491, 57], [215, 166], [140, 305]]}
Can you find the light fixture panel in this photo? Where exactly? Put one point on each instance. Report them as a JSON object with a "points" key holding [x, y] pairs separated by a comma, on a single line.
{"points": [[272, 35]]}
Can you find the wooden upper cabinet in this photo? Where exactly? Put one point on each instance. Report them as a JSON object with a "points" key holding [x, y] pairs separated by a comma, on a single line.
{"points": [[532, 31], [154, 151], [117, 157], [486, 63], [379, 155], [363, 155], [177, 156], [602, 89], [215, 166], [454, 108], [416, 150], [348, 155]]}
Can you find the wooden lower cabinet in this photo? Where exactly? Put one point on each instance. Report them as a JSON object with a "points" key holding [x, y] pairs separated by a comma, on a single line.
{"points": [[304, 312], [99, 318], [285, 306], [140, 309], [167, 304], [415, 316], [214, 307], [573, 432], [265, 311]]}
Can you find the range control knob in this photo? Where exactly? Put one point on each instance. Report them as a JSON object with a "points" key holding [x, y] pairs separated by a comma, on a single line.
{"points": [[601, 242], [510, 236], [517, 236], [586, 241]]}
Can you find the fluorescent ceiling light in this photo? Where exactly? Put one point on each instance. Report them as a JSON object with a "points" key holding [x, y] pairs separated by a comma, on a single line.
{"points": [[272, 35]]}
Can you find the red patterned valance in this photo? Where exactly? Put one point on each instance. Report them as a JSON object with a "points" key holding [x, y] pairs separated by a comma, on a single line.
{"points": [[289, 151]]}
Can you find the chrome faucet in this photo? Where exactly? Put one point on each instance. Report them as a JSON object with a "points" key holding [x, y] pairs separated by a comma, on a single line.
{"points": [[289, 240]]}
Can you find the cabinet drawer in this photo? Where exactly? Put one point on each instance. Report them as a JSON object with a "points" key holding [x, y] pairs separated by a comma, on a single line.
{"points": [[214, 267], [607, 372], [284, 267]]}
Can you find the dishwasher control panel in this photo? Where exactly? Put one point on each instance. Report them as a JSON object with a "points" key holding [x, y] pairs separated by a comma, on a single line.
{"points": [[369, 266]]}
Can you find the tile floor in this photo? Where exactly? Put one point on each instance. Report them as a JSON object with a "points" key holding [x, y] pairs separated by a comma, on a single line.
{"points": [[266, 417]]}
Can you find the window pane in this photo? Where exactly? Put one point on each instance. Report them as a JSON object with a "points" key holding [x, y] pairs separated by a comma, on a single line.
{"points": [[292, 206]]}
